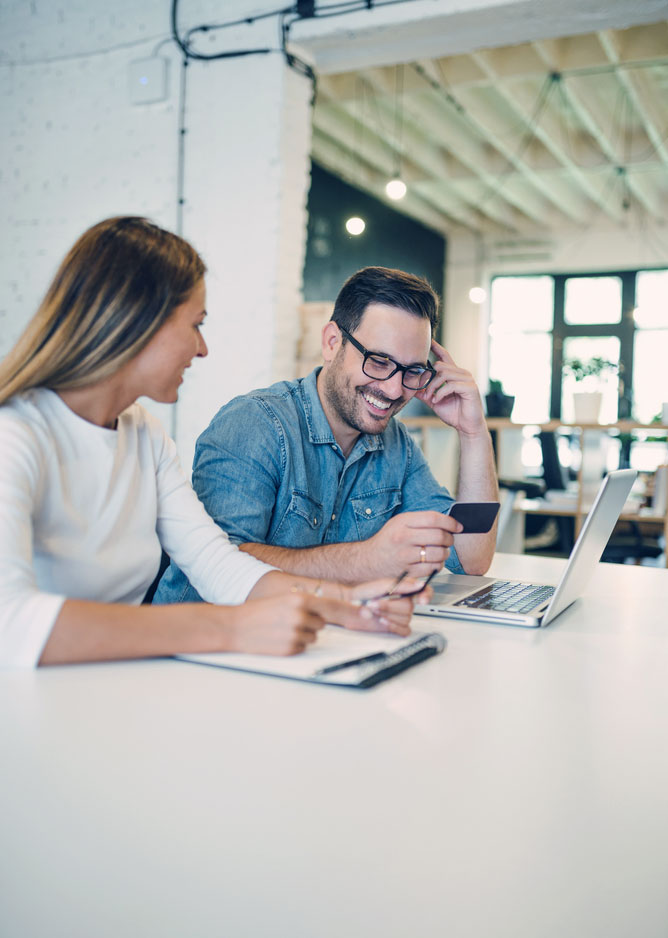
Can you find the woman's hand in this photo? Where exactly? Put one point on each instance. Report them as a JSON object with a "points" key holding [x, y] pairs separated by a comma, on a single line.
{"points": [[286, 623], [387, 605], [277, 625]]}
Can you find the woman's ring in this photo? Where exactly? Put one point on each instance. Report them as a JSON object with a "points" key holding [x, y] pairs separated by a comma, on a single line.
{"points": [[423, 555]]}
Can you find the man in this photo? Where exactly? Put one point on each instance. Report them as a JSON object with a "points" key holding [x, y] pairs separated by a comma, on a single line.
{"points": [[316, 477]]}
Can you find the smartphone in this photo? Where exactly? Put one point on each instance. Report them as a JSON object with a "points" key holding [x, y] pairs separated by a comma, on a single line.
{"points": [[477, 517]]}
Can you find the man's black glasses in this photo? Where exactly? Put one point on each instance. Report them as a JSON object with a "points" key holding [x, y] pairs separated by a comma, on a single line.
{"points": [[415, 377]]}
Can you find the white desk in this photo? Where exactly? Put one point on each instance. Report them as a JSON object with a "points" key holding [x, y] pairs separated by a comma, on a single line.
{"points": [[516, 785]]}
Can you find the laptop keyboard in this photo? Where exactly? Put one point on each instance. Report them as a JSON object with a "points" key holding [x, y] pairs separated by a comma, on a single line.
{"points": [[508, 596]]}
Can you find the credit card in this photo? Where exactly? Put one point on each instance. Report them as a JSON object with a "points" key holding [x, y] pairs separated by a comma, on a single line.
{"points": [[477, 517]]}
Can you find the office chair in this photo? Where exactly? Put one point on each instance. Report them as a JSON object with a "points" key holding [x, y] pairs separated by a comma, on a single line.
{"points": [[150, 592], [513, 490], [631, 542], [555, 478], [554, 474]]}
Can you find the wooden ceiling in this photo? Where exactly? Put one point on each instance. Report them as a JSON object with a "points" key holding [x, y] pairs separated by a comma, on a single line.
{"points": [[519, 140]]}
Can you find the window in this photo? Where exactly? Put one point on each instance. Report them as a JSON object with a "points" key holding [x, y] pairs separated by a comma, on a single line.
{"points": [[592, 300], [521, 343], [650, 351], [536, 322]]}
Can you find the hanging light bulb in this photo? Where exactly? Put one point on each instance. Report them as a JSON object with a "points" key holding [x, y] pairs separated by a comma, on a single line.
{"points": [[396, 189], [355, 225], [477, 293]]}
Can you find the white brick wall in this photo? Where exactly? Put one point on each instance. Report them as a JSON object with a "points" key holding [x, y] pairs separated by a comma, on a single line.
{"points": [[75, 150], [246, 201]]}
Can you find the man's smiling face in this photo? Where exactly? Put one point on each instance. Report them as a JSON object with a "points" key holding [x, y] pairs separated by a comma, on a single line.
{"points": [[353, 402]]}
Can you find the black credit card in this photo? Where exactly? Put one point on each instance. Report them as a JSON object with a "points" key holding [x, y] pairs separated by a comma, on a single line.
{"points": [[477, 517]]}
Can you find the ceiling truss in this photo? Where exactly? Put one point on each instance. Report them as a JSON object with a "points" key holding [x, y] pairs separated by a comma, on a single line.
{"points": [[515, 141]]}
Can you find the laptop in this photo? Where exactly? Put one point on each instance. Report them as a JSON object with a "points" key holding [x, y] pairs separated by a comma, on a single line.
{"points": [[511, 602]]}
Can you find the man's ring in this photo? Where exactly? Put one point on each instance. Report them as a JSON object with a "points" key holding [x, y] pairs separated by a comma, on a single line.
{"points": [[423, 555]]}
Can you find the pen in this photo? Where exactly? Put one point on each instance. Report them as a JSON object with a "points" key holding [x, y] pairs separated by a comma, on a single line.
{"points": [[391, 594], [421, 587], [349, 664], [396, 583]]}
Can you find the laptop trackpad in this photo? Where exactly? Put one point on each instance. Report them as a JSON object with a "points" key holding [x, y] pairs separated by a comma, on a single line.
{"points": [[449, 588]]}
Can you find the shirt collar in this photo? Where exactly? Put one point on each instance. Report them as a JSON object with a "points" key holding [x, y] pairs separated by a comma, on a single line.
{"points": [[319, 430]]}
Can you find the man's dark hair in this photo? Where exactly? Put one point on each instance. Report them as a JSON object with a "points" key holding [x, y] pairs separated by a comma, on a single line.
{"points": [[384, 285]]}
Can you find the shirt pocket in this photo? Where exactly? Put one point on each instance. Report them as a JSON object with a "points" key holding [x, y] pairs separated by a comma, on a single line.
{"points": [[372, 510], [301, 524]]}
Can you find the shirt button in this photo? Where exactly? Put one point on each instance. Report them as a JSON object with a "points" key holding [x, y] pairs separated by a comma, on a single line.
{"points": [[333, 517], [315, 521], [367, 511]]}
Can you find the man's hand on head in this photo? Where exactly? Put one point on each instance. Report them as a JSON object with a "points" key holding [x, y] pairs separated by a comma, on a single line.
{"points": [[453, 395]]}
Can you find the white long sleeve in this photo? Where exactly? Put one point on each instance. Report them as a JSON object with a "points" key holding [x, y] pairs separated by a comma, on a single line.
{"points": [[84, 512]]}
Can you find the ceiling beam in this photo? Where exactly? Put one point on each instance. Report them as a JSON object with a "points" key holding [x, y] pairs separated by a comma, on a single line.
{"points": [[358, 170], [485, 127], [423, 130], [513, 140], [576, 94], [545, 127], [360, 131], [642, 95]]}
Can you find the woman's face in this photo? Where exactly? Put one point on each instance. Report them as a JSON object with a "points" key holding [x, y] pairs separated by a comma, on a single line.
{"points": [[158, 369]]}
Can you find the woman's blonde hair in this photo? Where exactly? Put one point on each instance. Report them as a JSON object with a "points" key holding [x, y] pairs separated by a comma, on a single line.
{"points": [[117, 286]]}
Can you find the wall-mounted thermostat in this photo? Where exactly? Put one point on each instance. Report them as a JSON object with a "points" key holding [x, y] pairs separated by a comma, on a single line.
{"points": [[148, 80]]}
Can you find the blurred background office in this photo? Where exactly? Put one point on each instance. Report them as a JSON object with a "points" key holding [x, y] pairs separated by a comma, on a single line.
{"points": [[527, 149]]}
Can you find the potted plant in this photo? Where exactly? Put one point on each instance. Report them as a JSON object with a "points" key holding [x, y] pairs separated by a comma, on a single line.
{"points": [[499, 404], [587, 375]]}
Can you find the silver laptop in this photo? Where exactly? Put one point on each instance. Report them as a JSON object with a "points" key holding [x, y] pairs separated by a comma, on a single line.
{"points": [[510, 602]]}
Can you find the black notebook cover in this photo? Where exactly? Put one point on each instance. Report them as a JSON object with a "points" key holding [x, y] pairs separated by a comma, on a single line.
{"points": [[339, 657]]}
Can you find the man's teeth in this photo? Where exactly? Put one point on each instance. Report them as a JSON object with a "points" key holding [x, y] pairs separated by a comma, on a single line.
{"points": [[376, 401]]}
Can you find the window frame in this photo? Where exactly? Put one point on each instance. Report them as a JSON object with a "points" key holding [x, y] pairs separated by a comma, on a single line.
{"points": [[625, 330]]}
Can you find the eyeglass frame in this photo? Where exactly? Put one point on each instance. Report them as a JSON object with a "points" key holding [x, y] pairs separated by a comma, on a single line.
{"points": [[397, 367]]}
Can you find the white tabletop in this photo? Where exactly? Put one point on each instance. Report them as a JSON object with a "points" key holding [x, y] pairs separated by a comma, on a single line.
{"points": [[516, 785]]}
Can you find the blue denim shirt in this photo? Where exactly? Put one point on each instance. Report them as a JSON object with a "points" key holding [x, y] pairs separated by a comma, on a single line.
{"points": [[269, 471]]}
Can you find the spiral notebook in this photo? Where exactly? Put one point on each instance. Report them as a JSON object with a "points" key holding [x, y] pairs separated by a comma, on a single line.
{"points": [[339, 656]]}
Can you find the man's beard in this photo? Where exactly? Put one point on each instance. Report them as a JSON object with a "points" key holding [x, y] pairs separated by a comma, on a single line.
{"points": [[343, 398]]}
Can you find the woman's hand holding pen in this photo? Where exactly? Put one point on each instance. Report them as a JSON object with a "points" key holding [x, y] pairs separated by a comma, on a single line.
{"points": [[384, 605], [287, 623], [387, 605], [368, 607]]}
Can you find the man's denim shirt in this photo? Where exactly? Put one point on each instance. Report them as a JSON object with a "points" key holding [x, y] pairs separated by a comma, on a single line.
{"points": [[268, 470]]}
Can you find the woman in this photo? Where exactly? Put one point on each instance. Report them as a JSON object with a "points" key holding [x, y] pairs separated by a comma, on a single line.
{"points": [[91, 488]]}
